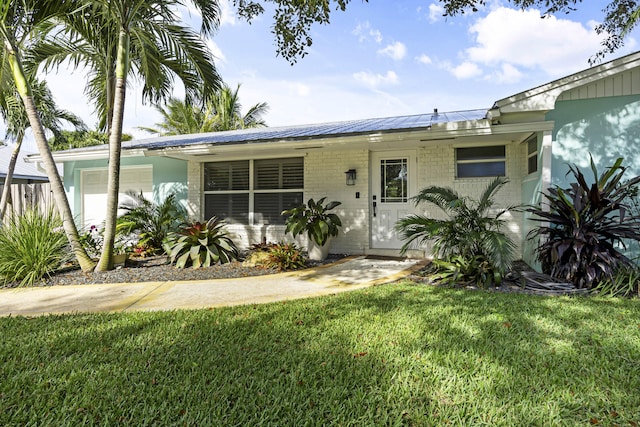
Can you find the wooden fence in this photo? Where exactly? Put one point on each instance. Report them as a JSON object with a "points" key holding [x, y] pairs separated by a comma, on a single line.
{"points": [[29, 196]]}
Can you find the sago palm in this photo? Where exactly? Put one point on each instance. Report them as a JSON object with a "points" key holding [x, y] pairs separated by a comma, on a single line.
{"points": [[469, 231], [151, 222]]}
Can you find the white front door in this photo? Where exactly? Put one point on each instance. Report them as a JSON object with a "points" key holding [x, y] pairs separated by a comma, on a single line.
{"points": [[393, 176]]}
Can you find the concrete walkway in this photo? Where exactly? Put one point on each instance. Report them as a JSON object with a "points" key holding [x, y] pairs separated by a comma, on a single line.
{"points": [[345, 275]]}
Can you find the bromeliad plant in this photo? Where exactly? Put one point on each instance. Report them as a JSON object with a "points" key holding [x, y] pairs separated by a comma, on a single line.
{"points": [[469, 243], [586, 225], [202, 245], [314, 219]]}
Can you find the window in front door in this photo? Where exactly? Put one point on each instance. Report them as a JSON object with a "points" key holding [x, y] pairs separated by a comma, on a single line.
{"points": [[394, 180]]}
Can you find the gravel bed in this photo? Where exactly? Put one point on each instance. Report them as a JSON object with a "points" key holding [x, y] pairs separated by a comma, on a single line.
{"points": [[158, 269]]}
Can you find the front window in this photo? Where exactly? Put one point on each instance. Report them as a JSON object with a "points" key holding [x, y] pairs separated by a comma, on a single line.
{"points": [[253, 191], [473, 162]]}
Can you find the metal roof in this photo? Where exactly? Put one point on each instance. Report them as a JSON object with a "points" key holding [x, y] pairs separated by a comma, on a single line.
{"points": [[302, 132], [23, 169]]}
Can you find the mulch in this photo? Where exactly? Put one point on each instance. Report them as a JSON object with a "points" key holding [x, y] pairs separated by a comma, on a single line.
{"points": [[158, 268]]}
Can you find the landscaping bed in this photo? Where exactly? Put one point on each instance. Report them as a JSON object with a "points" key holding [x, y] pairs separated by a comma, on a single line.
{"points": [[157, 268]]}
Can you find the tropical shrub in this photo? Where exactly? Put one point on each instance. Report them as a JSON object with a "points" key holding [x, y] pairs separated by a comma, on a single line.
{"points": [[202, 245], [93, 239], [150, 222], [32, 245], [285, 256], [313, 219], [460, 271], [586, 226], [469, 239]]}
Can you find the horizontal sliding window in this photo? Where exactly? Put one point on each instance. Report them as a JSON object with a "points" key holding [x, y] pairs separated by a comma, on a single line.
{"points": [[253, 191], [472, 162]]}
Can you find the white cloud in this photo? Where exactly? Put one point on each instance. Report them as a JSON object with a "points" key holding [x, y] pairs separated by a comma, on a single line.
{"points": [[508, 74], [424, 59], [524, 39], [435, 12], [395, 51], [227, 13], [466, 70], [364, 31], [216, 51], [374, 80], [301, 89]]}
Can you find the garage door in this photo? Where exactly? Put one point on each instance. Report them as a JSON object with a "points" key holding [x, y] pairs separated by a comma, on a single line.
{"points": [[94, 190]]}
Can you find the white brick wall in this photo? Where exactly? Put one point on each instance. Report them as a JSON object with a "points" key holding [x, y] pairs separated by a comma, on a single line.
{"points": [[194, 190], [324, 176], [437, 167]]}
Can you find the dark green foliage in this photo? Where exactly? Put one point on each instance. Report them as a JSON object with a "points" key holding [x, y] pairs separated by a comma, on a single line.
{"points": [[32, 246], [313, 219], [66, 140], [91, 240], [461, 271], [202, 245], [585, 228], [150, 222], [469, 239], [285, 256]]}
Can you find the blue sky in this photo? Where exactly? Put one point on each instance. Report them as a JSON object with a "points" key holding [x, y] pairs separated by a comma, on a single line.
{"points": [[384, 58]]}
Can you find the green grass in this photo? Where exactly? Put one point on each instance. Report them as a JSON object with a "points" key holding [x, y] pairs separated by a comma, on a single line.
{"points": [[390, 355]]}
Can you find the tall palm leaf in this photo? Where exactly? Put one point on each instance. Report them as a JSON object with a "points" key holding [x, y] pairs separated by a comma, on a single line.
{"points": [[222, 112], [19, 23], [140, 38]]}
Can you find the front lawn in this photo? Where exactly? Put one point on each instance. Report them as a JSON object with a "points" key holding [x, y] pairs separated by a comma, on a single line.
{"points": [[390, 355]]}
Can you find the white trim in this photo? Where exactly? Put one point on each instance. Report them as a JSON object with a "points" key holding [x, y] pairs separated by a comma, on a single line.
{"points": [[545, 177]]}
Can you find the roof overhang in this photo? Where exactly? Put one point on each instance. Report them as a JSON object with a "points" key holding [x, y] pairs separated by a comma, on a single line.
{"points": [[543, 98]]}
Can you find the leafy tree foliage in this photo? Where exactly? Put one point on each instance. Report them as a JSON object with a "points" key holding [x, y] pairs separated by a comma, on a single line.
{"points": [[67, 139], [620, 16], [292, 21]]}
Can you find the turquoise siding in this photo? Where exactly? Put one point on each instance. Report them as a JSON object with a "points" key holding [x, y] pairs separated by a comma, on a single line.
{"points": [[169, 176], [607, 128]]}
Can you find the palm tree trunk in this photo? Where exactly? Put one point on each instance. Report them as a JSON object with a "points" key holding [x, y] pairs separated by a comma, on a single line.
{"points": [[115, 147], [59, 195], [6, 190]]}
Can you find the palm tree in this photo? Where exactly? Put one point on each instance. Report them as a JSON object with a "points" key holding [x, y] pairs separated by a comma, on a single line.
{"points": [[12, 109], [221, 112], [19, 20], [139, 37], [470, 230]]}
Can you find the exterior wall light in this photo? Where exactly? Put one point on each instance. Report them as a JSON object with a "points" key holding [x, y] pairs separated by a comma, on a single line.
{"points": [[351, 177]]}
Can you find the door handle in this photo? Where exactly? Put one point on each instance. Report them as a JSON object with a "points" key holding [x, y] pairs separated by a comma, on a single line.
{"points": [[374, 204]]}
